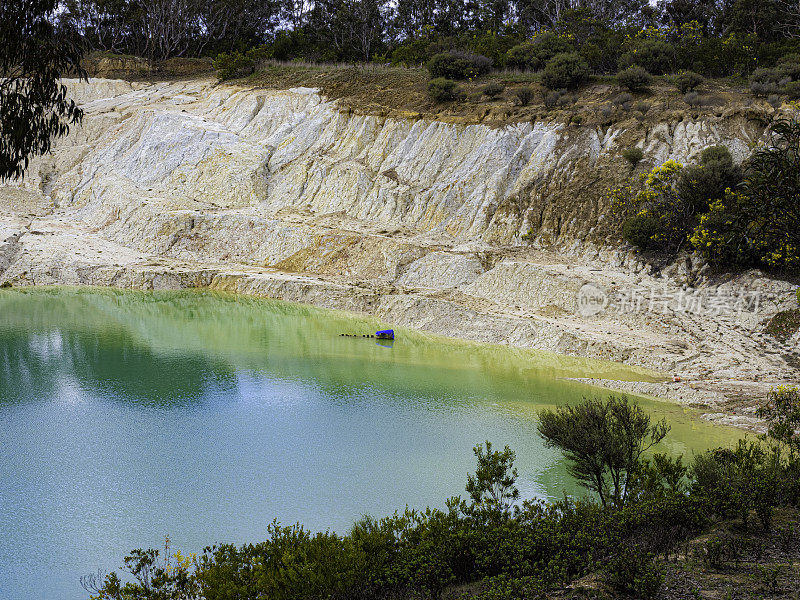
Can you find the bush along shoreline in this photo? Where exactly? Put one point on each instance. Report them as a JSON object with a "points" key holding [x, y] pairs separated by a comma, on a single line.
{"points": [[646, 522]]}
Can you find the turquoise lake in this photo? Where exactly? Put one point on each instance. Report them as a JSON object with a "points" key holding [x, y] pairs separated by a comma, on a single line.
{"points": [[129, 416]]}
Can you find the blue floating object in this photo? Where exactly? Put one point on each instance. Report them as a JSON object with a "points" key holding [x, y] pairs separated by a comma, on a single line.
{"points": [[386, 334]]}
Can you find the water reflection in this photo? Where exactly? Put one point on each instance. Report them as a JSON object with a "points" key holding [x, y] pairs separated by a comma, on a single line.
{"points": [[128, 416], [105, 362]]}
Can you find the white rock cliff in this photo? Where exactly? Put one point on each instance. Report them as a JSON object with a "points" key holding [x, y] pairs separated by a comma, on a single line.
{"points": [[283, 194]]}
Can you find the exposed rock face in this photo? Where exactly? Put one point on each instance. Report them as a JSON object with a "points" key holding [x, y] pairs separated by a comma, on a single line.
{"points": [[282, 194]]}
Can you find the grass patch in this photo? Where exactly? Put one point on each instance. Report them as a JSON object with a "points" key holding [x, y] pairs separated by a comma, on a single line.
{"points": [[785, 324]]}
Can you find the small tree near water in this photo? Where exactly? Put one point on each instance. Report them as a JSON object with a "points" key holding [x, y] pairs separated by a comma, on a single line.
{"points": [[493, 484], [604, 442]]}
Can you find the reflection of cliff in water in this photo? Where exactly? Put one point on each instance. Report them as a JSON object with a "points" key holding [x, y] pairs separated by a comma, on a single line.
{"points": [[167, 348], [172, 345]]}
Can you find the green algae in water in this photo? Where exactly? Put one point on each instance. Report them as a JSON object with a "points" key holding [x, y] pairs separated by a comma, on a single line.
{"points": [[128, 416]]}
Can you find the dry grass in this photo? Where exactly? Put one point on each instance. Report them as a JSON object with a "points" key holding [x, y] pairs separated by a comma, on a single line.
{"points": [[387, 90]]}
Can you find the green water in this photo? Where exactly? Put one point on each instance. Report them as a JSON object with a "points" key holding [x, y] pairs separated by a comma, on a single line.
{"points": [[128, 416]]}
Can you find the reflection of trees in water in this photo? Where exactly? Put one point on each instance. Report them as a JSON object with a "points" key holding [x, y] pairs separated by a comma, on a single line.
{"points": [[106, 362], [165, 348], [170, 350], [167, 339], [223, 323], [551, 477]]}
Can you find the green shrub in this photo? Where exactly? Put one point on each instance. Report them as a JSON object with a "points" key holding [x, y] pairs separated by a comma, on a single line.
{"points": [[764, 82], [736, 482], [782, 410], [623, 101], [551, 98], [604, 441], [503, 587], [534, 54], [491, 44], [642, 231], [789, 67], [635, 78], [755, 224], [653, 215], [236, 64], [492, 551], [151, 576], [688, 81], [458, 65], [633, 571], [599, 59], [566, 100], [699, 185], [769, 576], [790, 58], [633, 155], [522, 56], [784, 324], [493, 89], [717, 236], [772, 185], [411, 53], [657, 56], [493, 485], [763, 89], [524, 95], [792, 90], [693, 99], [567, 70], [441, 89], [718, 550]]}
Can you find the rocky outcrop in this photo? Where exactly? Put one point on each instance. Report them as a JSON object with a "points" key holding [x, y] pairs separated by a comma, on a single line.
{"points": [[282, 193]]}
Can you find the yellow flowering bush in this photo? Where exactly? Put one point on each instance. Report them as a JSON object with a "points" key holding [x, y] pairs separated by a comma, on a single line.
{"points": [[757, 224], [651, 210]]}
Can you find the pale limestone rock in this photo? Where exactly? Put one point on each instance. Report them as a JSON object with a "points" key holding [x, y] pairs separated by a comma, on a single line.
{"points": [[282, 194], [441, 270]]}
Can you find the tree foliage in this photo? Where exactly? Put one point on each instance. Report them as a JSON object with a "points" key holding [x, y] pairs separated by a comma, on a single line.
{"points": [[716, 38], [688, 81], [735, 482], [441, 89], [758, 223], [34, 104], [567, 70], [782, 413], [635, 78], [534, 54], [458, 65], [604, 442], [493, 484], [671, 201], [656, 55], [161, 29]]}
